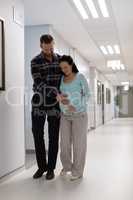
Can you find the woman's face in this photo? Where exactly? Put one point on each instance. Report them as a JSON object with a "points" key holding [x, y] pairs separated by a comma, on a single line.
{"points": [[66, 68]]}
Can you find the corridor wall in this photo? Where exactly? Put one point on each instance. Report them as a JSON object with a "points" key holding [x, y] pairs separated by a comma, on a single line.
{"points": [[11, 115], [96, 111]]}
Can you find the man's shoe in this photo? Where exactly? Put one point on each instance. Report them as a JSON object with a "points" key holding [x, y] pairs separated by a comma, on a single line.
{"points": [[39, 173], [50, 175]]}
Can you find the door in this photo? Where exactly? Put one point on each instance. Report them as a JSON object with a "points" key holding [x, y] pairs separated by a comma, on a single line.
{"points": [[103, 120]]}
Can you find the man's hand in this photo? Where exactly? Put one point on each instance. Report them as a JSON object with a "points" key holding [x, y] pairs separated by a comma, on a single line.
{"points": [[58, 97]]}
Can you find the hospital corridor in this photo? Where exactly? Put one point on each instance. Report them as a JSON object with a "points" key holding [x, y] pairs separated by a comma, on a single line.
{"points": [[66, 100]]}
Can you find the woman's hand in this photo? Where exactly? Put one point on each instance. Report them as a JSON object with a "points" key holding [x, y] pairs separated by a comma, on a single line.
{"points": [[71, 108], [65, 101], [63, 98]]}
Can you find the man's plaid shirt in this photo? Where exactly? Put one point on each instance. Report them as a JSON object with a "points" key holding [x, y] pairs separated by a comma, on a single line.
{"points": [[46, 76]]}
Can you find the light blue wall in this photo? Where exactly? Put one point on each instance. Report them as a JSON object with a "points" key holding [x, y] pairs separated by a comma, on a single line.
{"points": [[32, 48]]}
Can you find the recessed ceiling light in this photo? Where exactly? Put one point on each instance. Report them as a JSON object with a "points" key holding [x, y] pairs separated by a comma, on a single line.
{"points": [[92, 8], [103, 8], [110, 49], [81, 9], [103, 49], [117, 49]]}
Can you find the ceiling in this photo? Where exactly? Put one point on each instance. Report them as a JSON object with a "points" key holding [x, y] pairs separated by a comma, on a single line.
{"points": [[87, 35]]}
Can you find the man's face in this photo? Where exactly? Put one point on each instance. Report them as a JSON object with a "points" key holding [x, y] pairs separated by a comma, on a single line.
{"points": [[48, 49]]}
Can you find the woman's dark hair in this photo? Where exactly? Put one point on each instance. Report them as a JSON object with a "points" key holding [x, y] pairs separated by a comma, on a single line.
{"points": [[70, 61]]}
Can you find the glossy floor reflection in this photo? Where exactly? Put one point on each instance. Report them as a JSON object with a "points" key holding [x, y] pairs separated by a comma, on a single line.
{"points": [[108, 173]]}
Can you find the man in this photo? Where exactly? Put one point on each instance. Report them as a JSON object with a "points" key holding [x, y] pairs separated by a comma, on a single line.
{"points": [[46, 75]]}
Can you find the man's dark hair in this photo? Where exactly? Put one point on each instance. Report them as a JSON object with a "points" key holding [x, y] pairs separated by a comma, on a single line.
{"points": [[47, 39], [69, 60]]}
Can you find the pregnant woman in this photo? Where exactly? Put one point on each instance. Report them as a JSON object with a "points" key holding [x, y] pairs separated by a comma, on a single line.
{"points": [[73, 98]]}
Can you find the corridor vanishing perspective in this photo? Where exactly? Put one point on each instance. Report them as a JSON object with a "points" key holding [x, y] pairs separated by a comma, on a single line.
{"points": [[108, 173], [66, 78]]}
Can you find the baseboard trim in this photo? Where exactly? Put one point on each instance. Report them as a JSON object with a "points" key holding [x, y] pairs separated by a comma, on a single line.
{"points": [[30, 151], [92, 128], [11, 174]]}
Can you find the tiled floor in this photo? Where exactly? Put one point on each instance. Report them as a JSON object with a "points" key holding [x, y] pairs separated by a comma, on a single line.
{"points": [[108, 174]]}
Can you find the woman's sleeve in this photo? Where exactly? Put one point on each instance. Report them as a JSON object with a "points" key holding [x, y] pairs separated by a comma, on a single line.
{"points": [[85, 87]]}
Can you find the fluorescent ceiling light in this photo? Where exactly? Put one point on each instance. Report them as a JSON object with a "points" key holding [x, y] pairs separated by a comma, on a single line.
{"points": [[111, 63], [117, 49], [81, 9], [126, 88], [92, 8], [103, 49], [110, 49], [122, 67], [113, 67], [99, 83], [125, 83], [103, 8], [118, 67], [114, 64], [117, 64]]}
